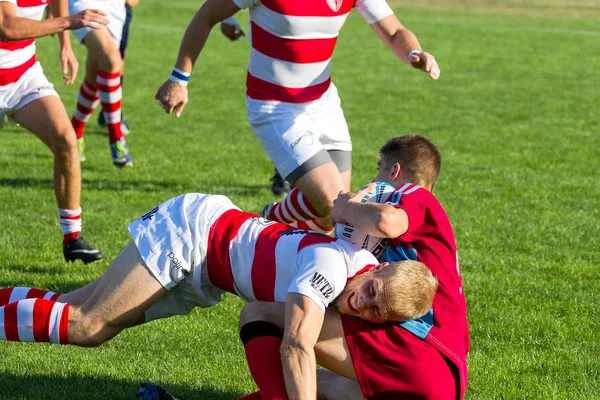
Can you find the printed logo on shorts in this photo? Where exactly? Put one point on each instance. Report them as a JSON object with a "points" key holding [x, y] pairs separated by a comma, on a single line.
{"points": [[322, 285], [334, 4], [177, 272], [149, 214], [307, 140], [47, 87]]}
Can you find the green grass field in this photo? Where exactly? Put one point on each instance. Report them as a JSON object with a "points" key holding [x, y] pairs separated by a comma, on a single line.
{"points": [[515, 114]]}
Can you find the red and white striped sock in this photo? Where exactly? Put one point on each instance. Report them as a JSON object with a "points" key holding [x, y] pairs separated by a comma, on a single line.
{"points": [[10, 295], [35, 320], [87, 101], [70, 223], [314, 226], [295, 207], [109, 90]]}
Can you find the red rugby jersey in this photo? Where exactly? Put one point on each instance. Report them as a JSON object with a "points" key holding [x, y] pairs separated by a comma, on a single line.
{"points": [[430, 239]]}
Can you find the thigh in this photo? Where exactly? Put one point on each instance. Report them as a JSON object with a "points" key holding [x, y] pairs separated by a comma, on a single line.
{"points": [[45, 117], [124, 292], [288, 136]]}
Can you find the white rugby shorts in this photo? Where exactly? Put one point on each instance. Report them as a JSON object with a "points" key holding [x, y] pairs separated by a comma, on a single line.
{"points": [[115, 12], [292, 133], [32, 85], [172, 239]]}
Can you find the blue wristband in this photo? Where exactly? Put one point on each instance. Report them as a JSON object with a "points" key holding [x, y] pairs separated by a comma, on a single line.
{"points": [[414, 52], [180, 77]]}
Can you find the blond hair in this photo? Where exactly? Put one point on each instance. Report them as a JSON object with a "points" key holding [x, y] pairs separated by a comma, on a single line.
{"points": [[409, 289]]}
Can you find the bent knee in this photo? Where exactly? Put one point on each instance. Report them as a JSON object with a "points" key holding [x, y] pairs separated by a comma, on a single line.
{"points": [[261, 311]]}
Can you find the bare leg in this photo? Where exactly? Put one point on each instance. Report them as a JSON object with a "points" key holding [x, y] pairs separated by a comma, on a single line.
{"points": [[102, 54], [119, 300], [321, 186], [48, 120]]}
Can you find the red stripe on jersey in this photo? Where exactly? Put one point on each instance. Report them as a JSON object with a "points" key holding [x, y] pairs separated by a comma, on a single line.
{"points": [[314, 238], [11, 323], [55, 296], [361, 271], [11, 75], [310, 8], [264, 265], [63, 328], [302, 51], [31, 3], [5, 296], [18, 45], [42, 310], [263, 90], [221, 233]]}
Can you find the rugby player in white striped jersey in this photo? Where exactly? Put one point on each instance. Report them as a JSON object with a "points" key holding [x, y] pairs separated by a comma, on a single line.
{"points": [[190, 250], [293, 106], [27, 98]]}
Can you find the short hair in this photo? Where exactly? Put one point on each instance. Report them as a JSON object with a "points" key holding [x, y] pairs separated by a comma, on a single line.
{"points": [[409, 289], [418, 155]]}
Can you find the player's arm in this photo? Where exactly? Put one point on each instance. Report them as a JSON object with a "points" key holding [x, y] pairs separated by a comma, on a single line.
{"points": [[381, 220], [14, 28], [401, 41], [303, 322], [172, 95]]}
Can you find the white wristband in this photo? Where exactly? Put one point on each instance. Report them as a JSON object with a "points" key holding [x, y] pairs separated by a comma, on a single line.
{"points": [[414, 52], [180, 77]]}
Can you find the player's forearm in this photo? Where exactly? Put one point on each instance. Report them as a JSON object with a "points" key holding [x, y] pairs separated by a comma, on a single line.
{"points": [[60, 9], [396, 37], [381, 220], [16, 28], [299, 371]]}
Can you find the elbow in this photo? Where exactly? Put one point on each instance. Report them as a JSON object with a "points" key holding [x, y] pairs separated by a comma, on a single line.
{"points": [[392, 227], [290, 349], [6, 34]]}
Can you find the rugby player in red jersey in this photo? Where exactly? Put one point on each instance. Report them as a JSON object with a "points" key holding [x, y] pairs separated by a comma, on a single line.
{"points": [[423, 358]]}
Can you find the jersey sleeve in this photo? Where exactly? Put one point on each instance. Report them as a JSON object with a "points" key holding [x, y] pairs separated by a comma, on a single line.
{"points": [[415, 207], [245, 3], [373, 10], [321, 274]]}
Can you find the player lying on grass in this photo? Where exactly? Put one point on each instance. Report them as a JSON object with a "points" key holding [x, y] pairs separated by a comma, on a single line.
{"points": [[423, 358], [191, 249]]}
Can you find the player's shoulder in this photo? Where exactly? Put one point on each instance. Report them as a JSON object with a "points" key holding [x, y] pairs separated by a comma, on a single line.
{"points": [[413, 193]]}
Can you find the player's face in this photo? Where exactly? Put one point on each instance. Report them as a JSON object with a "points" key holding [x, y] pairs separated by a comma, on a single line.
{"points": [[383, 175], [364, 297]]}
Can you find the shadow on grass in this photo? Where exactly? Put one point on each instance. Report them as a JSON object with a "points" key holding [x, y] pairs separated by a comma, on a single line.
{"points": [[48, 387], [186, 185]]}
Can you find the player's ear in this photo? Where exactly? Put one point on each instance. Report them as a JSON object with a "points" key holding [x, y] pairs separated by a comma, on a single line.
{"points": [[396, 171], [377, 267]]}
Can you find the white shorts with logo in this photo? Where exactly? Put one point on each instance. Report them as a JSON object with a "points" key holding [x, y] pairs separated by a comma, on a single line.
{"points": [[172, 239], [32, 85], [115, 12], [292, 133]]}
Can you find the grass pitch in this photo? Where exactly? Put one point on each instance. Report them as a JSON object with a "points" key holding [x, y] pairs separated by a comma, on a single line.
{"points": [[515, 114]]}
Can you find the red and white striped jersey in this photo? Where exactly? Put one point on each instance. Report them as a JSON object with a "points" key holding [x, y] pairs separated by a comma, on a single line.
{"points": [[260, 260], [17, 57], [292, 44]]}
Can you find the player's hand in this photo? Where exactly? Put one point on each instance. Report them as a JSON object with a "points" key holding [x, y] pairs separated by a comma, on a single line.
{"points": [[69, 64], [426, 63], [94, 19], [340, 205], [172, 97], [231, 31]]}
